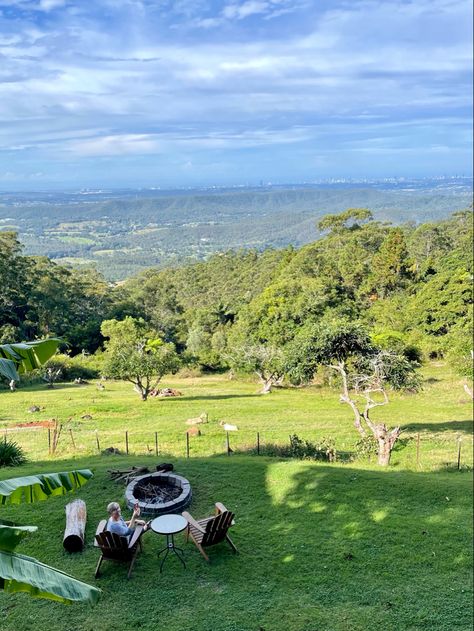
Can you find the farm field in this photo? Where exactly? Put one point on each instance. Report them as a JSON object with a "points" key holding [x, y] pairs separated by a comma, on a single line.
{"points": [[441, 415]]}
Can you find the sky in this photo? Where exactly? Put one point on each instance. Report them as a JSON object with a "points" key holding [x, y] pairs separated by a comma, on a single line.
{"points": [[171, 93]]}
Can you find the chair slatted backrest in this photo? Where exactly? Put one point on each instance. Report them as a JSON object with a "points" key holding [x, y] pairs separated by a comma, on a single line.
{"points": [[216, 529], [110, 542]]}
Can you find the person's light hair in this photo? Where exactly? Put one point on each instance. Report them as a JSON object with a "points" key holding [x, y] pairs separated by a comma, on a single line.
{"points": [[112, 507]]}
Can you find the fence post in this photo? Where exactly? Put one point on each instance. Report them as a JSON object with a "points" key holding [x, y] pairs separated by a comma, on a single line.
{"points": [[228, 443], [258, 443], [97, 440], [72, 439], [126, 442], [49, 440], [156, 443], [459, 453], [418, 450], [187, 445]]}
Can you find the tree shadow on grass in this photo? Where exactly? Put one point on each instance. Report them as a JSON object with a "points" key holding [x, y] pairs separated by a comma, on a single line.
{"points": [[213, 397], [446, 426], [321, 547]]}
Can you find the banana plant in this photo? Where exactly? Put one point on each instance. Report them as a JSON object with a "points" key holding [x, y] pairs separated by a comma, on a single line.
{"points": [[20, 573], [21, 357]]}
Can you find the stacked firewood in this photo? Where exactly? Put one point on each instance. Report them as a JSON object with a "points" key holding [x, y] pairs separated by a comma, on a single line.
{"points": [[127, 475]]}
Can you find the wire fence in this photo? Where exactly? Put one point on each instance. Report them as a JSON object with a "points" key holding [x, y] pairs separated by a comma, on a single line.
{"points": [[418, 451]]}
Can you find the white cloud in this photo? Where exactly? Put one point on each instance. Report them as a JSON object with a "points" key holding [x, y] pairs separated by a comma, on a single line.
{"points": [[48, 5], [34, 5], [241, 11], [124, 86], [118, 145]]}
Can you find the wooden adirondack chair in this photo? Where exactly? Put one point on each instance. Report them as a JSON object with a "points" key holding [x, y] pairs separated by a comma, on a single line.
{"points": [[116, 548], [207, 532]]}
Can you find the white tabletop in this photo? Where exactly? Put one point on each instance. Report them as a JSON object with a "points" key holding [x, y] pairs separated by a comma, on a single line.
{"points": [[168, 524]]}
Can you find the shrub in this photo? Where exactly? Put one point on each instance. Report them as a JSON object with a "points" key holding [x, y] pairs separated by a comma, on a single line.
{"points": [[71, 367], [366, 447], [11, 454], [302, 449]]}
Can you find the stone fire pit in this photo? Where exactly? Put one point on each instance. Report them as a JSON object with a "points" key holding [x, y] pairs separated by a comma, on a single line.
{"points": [[159, 493]]}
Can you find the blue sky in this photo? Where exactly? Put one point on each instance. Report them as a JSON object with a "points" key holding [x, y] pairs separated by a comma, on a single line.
{"points": [[111, 93]]}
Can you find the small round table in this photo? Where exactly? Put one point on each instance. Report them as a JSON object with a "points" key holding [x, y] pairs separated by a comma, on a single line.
{"points": [[169, 525]]}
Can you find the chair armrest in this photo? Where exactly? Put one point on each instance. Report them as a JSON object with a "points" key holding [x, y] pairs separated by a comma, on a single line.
{"points": [[101, 527], [136, 535], [220, 508], [192, 522]]}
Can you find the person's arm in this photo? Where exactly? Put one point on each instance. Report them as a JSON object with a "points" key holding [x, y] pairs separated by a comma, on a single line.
{"points": [[136, 513]]}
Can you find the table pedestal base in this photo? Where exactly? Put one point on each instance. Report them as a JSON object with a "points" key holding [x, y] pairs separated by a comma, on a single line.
{"points": [[170, 547]]}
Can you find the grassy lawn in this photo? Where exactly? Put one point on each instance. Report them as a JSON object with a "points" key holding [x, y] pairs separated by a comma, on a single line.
{"points": [[343, 546], [439, 414], [321, 547]]}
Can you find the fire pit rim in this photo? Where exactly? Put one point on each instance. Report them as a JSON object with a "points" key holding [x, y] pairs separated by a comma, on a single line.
{"points": [[179, 503]]}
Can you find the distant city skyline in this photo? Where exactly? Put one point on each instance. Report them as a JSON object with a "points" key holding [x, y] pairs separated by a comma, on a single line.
{"points": [[189, 93]]}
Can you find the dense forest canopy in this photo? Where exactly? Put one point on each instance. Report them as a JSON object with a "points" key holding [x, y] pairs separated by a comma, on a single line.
{"points": [[411, 285]]}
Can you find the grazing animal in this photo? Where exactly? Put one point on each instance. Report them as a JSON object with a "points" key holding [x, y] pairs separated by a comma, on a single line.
{"points": [[100, 386], [35, 408], [86, 417], [198, 420], [193, 431], [228, 427]]}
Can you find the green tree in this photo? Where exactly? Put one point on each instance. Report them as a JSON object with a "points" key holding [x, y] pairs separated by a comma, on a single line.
{"points": [[68, 303], [265, 360], [135, 354], [15, 287], [366, 374], [390, 265], [350, 219]]}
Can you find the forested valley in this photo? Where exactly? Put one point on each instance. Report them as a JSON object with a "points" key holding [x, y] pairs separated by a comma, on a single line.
{"points": [[409, 285], [122, 233]]}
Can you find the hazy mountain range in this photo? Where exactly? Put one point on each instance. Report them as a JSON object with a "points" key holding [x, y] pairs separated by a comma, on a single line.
{"points": [[124, 231]]}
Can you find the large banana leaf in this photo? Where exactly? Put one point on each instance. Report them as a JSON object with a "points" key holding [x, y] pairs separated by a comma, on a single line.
{"points": [[30, 355], [20, 573], [33, 488], [11, 534], [8, 369]]}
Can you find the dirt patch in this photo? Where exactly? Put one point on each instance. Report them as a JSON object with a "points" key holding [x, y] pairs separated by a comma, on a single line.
{"points": [[33, 424]]}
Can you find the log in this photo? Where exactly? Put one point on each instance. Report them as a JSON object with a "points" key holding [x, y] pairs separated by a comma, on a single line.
{"points": [[76, 517]]}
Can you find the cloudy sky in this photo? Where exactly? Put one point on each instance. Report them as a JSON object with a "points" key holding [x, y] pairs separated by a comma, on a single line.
{"points": [[196, 92]]}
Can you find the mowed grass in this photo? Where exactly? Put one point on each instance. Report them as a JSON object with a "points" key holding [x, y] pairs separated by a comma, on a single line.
{"points": [[440, 415], [322, 547], [344, 546]]}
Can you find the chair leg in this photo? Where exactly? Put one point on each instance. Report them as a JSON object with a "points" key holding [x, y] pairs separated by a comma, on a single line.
{"points": [[231, 543], [132, 563], [201, 550], [97, 573]]}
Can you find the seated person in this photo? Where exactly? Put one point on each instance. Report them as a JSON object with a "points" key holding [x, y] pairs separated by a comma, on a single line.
{"points": [[118, 525]]}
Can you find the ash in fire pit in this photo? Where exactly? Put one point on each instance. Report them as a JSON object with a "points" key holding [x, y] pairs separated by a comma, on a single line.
{"points": [[159, 493]]}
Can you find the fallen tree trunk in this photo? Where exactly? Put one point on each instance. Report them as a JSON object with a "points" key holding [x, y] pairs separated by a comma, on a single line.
{"points": [[76, 517]]}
